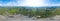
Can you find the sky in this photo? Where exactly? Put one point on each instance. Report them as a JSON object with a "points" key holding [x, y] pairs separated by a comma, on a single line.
{"points": [[29, 2]]}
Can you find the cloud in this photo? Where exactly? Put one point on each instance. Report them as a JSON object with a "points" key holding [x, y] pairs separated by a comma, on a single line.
{"points": [[11, 3], [30, 3], [41, 3]]}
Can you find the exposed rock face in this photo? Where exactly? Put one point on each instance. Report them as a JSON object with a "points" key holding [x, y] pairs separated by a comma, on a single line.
{"points": [[57, 17], [26, 18], [2, 18]]}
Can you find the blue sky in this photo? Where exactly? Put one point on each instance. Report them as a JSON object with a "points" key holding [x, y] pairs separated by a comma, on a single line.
{"points": [[29, 2], [54, 1]]}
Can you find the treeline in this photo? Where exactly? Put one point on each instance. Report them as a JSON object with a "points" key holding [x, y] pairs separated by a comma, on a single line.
{"points": [[31, 11]]}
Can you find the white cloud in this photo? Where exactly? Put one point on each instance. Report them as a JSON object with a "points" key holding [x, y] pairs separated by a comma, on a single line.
{"points": [[37, 3], [33, 3], [29, 3]]}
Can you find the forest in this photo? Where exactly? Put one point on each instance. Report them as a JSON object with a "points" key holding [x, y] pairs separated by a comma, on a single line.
{"points": [[42, 12]]}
